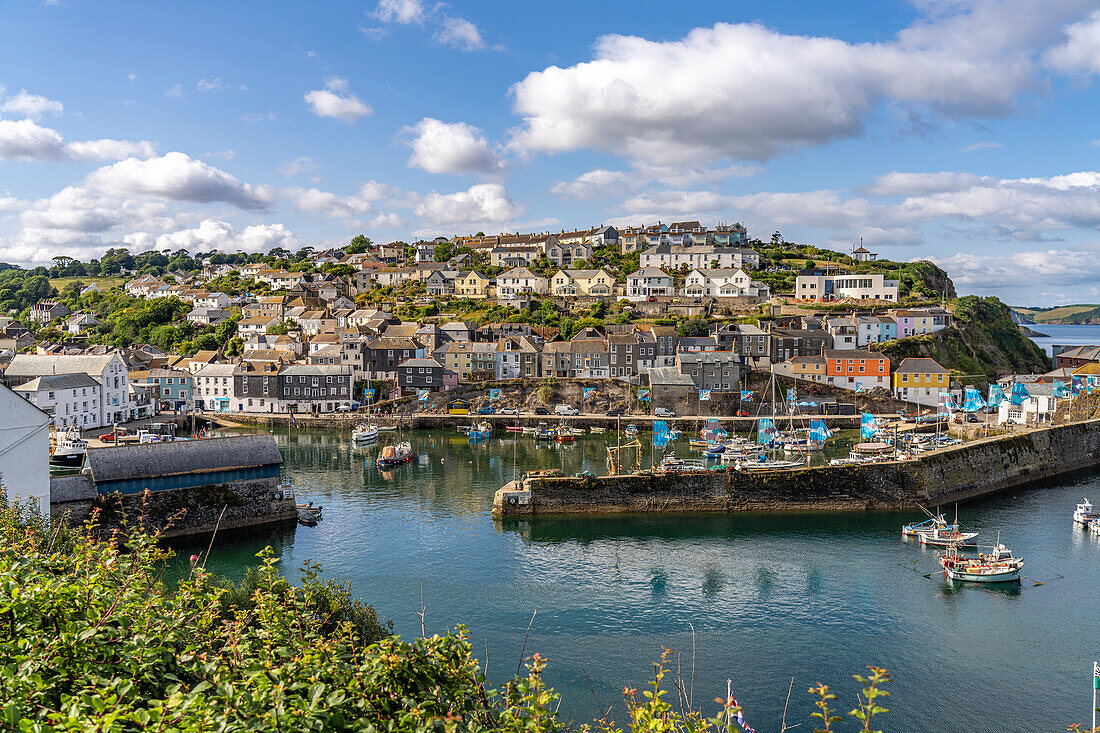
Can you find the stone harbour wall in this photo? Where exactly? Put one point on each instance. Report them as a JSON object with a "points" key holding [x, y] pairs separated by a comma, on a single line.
{"points": [[182, 512], [954, 474]]}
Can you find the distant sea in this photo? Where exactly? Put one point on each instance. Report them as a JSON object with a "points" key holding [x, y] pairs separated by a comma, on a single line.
{"points": [[1064, 336]]}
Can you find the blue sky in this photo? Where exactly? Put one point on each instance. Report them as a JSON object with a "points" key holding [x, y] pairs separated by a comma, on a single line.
{"points": [[963, 131]]}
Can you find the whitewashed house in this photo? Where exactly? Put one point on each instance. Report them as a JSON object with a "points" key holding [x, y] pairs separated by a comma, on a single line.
{"points": [[723, 283], [113, 398], [520, 281], [71, 400], [649, 282], [24, 450]]}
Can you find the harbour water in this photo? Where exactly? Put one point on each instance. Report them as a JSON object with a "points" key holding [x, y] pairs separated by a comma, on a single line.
{"points": [[811, 596], [1064, 335]]}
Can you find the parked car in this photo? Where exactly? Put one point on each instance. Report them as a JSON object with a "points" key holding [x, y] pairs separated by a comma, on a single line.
{"points": [[989, 409], [541, 411], [972, 418], [663, 412], [564, 409], [742, 413], [507, 411], [616, 412], [487, 410]]}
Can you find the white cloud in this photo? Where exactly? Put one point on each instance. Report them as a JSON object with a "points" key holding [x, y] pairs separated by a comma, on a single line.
{"points": [[315, 201], [31, 106], [25, 140], [227, 154], [107, 149], [1053, 275], [212, 234], [217, 84], [601, 183], [747, 92], [594, 184], [981, 145], [335, 100], [910, 184], [299, 165], [1080, 53], [387, 221], [131, 76], [401, 11], [175, 91], [481, 205], [177, 177], [450, 30], [442, 147], [459, 33]]}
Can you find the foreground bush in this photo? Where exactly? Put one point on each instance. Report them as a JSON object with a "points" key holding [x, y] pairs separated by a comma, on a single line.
{"points": [[91, 639]]}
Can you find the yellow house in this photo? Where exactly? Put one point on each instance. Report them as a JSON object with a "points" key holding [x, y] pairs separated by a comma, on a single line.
{"points": [[920, 380], [582, 282], [809, 368], [472, 285]]}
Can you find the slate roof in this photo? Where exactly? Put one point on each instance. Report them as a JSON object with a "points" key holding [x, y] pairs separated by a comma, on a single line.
{"points": [[153, 460]]}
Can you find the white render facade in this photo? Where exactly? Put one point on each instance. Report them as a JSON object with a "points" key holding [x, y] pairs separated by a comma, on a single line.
{"points": [[649, 282], [519, 281], [699, 257], [723, 283], [109, 371], [867, 286]]}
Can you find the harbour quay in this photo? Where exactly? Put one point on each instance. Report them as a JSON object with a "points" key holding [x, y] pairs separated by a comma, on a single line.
{"points": [[957, 473], [178, 488]]}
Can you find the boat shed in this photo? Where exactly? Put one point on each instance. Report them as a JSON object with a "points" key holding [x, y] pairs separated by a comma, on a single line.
{"points": [[182, 464]]}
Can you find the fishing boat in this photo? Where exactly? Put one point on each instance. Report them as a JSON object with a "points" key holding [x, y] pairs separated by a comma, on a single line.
{"points": [[308, 514], [670, 463], [366, 433], [67, 448], [631, 430], [714, 450], [918, 528], [597, 430], [529, 430], [394, 454], [480, 431], [543, 432], [563, 435], [998, 566], [763, 464], [696, 444], [387, 428], [1084, 513], [947, 536], [875, 450]]}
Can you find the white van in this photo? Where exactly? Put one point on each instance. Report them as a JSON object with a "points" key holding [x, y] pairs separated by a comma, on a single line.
{"points": [[564, 409]]}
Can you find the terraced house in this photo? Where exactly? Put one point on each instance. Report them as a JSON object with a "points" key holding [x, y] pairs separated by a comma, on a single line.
{"points": [[920, 381], [594, 283]]}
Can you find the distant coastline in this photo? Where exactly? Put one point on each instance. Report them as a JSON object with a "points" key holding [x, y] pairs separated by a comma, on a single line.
{"points": [[1032, 333]]}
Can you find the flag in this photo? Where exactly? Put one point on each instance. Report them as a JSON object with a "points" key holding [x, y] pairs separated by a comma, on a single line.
{"points": [[746, 395], [1096, 675], [660, 433], [368, 394], [868, 426], [741, 719], [422, 395], [589, 391], [860, 387], [819, 431], [704, 395], [996, 394], [973, 401], [1060, 389], [1077, 383], [494, 394], [791, 395], [1019, 394], [643, 395], [766, 431]]}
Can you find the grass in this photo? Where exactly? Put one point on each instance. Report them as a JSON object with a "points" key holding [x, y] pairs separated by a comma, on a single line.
{"points": [[1051, 315], [104, 283]]}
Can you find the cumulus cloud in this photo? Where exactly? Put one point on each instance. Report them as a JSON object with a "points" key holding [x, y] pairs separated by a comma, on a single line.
{"points": [[485, 204], [315, 201], [31, 106], [217, 84], [387, 221], [177, 177], [747, 92], [442, 147], [26, 140], [336, 100], [601, 183], [911, 184], [1080, 52], [400, 11], [1053, 275], [212, 234]]}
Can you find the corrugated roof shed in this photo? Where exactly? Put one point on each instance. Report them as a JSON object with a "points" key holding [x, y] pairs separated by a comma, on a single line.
{"points": [[153, 460]]}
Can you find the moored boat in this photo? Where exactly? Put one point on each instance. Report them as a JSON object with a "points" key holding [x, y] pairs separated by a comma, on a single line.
{"points": [[543, 432], [395, 454], [1084, 513], [948, 536], [917, 528], [998, 566], [366, 433], [597, 430], [763, 464], [67, 448], [480, 431], [307, 513]]}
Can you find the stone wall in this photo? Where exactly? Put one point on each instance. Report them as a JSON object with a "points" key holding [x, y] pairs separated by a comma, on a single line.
{"points": [[954, 474], [183, 512]]}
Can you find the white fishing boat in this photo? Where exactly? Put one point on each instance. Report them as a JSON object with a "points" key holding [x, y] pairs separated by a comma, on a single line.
{"points": [[997, 566], [395, 454], [366, 433], [67, 448], [1084, 513], [529, 430], [763, 464], [480, 431], [387, 428], [919, 528], [948, 536]]}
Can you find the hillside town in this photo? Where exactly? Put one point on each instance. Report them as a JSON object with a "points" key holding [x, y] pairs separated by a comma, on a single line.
{"points": [[679, 309]]}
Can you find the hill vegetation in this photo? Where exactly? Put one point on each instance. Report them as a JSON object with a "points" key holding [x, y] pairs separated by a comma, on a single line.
{"points": [[1066, 315]]}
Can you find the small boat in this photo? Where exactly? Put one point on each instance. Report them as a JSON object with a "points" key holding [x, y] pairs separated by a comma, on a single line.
{"points": [[918, 528], [631, 430], [671, 463], [480, 431], [596, 430], [998, 566], [308, 514], [801, 445], [514, 429], [67, 448], [395, 454], [366, 433], [948, 536], [675, 434], [695, 444], [714, 450], [763, 464], [387, 428], [529, 430], [871, 451], [1084, 513], [563, 435], [543, 432]]}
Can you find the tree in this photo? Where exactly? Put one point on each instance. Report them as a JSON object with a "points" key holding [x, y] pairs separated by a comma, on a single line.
{"points": [[777, 239], [358, 244], [444, 251], [693, 327]]}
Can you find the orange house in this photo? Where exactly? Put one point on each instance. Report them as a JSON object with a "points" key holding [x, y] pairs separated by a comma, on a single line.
{"points": [[846, 368]]}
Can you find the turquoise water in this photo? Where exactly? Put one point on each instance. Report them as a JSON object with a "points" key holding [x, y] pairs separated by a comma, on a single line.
{"points": [[813, 596], [1065, 335]]}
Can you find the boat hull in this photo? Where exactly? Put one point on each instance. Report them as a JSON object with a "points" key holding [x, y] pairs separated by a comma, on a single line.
{"points": [[66, 459]]}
